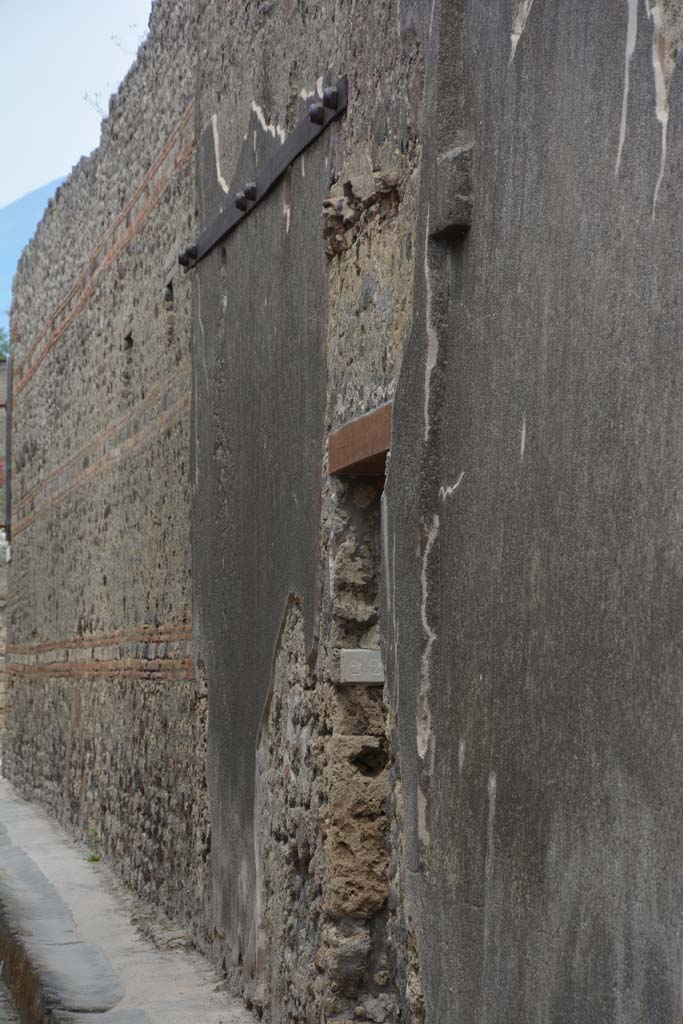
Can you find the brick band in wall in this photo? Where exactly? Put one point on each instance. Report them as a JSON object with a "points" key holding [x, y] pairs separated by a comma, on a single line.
{"points": [[97, 444], [140, 653], [116, 450], [150, 409], [174, 156], [140, 634], [133, 668]]}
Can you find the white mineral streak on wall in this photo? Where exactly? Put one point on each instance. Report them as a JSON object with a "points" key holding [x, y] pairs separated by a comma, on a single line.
{"points": [[287, 199], [492, 788], [389, 570], [522, 443], [424, 716], [432, 338], [273, 129], [216, 149], [446, 492], [489, 863], [519, 25], [631, 35], [206, 378], [662, 73], [661, 88]]}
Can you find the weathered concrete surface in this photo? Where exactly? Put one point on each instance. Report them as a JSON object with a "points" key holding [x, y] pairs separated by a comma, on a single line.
{"points": [[81, 948], [533, 541], [259, 359]]}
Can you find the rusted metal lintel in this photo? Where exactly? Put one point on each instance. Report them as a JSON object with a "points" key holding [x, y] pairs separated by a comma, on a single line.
{"points": [[360, 447], [321, 114]]}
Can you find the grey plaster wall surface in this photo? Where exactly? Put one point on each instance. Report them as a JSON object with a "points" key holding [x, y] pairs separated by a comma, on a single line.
{"points": [[533, 541], [257, 466]]}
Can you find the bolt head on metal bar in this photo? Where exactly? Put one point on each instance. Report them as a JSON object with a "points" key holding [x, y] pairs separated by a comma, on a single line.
{"points": [[188, 255], [316, 112], [250, 191], [331, 97], [241, 201]]}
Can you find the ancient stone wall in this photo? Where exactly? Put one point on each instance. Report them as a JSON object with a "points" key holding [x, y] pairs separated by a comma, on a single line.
{"points": [[489, 236], [300, 318], [287, 867], [108, 721]]}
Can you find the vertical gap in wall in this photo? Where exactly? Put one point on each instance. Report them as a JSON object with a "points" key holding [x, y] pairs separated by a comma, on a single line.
{"points": [[357, 936]]}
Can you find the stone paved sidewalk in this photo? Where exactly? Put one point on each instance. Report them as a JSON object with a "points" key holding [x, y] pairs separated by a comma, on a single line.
{"points": [[68, 942]]}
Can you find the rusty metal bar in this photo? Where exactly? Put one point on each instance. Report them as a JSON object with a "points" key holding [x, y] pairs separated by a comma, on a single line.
{"points": [[360, 447], [320, 116]]}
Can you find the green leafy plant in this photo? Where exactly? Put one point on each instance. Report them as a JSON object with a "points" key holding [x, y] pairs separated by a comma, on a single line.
{"points": [[95, 853], [4, 344]]}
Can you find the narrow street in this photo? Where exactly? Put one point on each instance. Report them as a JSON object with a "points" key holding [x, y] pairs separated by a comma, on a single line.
{"points": [[71, 927]]}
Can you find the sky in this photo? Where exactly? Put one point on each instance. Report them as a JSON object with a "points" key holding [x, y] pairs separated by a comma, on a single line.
{"points": [[60, 60]]}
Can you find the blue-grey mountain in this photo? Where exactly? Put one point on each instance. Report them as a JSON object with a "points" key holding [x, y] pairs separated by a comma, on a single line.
{"points": [[18, 221]]}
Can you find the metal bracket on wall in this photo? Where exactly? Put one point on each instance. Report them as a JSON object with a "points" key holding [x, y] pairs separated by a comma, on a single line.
{"points": [[320, 116]]}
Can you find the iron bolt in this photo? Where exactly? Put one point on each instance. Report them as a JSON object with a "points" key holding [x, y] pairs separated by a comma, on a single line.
{"points": [[187, 256], [241, 201], [331, 97], [316, 112], [250, 191]]}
